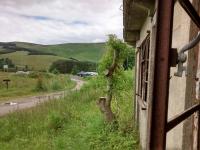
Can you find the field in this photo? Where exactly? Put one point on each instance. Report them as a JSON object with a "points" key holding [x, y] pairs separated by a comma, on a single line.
{"points": [[40, 57], [81, 51], [73, 123], [34, 62], [33, 84]]}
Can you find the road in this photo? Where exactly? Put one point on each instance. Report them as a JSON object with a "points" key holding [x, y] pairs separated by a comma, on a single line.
{"points": [[28, 102]]}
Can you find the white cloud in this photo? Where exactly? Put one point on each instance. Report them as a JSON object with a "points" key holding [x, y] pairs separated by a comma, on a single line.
{"points": [[59, 21]]}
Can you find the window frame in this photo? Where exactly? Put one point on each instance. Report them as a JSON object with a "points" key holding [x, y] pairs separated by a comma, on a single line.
{"points": [[143, 53]]}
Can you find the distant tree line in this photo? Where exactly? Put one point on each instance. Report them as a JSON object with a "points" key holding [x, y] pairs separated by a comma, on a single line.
{"points": [[129, 61], [72, 66]]}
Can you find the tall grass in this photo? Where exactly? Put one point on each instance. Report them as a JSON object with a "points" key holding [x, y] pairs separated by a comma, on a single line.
{"points": [[72, 123], [33, 84]]}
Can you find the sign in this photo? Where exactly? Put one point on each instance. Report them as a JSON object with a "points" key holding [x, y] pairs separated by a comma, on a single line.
{"points": [[5, 66], [6, 82]]}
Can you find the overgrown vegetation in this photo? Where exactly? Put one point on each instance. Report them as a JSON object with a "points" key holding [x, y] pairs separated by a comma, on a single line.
{"points": [[111, 68], [32, 84], [129, 62], [73, 123]]}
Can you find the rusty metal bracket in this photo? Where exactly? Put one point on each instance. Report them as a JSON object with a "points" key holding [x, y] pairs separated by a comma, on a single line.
{"points": [[182, 57], [173, 57], [182, 116], [187, 6]]}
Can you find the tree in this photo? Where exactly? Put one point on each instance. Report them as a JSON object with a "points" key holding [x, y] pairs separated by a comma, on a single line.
{"points": [[111, 68], [129, 62], [6, 61]]}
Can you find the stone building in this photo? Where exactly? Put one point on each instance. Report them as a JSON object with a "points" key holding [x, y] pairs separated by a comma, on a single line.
{"points": [[166, 94]]}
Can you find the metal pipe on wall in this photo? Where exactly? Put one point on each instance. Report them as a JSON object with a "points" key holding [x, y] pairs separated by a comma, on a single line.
{"points": [[159, 109]]}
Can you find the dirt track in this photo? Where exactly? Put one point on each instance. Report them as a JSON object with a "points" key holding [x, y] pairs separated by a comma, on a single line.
{"points": [[28, 102]]}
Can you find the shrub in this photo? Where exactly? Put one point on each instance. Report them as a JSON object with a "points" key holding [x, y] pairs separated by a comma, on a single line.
{"points": [[55, 71], [72, 66], [40, 86], [75, 69], [55, 121], [56, 85], [33, 74], [36, 74]]}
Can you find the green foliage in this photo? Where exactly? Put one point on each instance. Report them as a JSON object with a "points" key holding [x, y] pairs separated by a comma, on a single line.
{"points": [[36, 74], [115, 140], [6, 61], [71, 66], [56, 121], [75, 70], [40, 86], [129, 62], [73, 123], [54, 71], [56, 85], [123, 50], [23, 85], [114, 44], [6, 135]]}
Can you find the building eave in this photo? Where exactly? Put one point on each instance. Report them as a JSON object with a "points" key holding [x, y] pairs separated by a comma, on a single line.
{"points": [[134, 15]]}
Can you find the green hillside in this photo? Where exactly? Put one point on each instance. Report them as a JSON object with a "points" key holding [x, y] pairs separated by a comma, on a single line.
{"points": [[81, 51], [34, 62], [40, 57]]}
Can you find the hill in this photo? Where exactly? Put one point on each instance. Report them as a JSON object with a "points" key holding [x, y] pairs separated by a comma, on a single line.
{"points": [[34, 62], [81, 51], [39, 56]]}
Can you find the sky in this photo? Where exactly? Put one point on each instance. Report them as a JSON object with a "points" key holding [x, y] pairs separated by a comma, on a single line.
{"points": [[60, 21]]}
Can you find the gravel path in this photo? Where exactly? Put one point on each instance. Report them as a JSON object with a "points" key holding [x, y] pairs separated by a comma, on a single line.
{"points": [[28, 102]]}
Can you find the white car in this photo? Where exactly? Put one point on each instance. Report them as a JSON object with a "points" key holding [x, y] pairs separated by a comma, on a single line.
{"points": [[85, 74]]}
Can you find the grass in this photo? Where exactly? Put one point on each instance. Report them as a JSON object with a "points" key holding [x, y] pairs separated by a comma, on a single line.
{"points": [[26, 85], [81, 51], [72, 123], [34, 62]]}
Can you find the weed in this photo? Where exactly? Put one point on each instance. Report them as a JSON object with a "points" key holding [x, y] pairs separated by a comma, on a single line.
{"points": [[73, 123], [56, 121], [40, 85]]}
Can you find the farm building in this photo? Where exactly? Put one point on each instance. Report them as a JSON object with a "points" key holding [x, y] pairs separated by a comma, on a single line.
{"points": [[165, 34]]}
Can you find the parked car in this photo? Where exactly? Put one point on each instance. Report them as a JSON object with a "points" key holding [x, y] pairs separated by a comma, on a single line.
{"points": [[86, 74]]}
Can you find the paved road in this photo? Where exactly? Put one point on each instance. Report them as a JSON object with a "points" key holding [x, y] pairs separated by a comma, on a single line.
{"points": [[28, 102]]}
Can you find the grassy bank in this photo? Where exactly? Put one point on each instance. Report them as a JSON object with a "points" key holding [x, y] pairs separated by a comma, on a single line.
{"points": [[73, 123], [32, 84]]}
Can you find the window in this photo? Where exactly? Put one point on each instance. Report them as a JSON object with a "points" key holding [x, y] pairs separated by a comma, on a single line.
{"points": [[143, 68]]}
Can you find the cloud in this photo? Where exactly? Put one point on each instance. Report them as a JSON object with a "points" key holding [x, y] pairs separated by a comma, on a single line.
{"points": [[59, 21]]}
